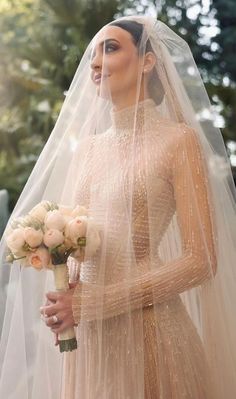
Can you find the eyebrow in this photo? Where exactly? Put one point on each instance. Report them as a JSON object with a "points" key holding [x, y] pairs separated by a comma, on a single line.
{"points": [[110, 39]]}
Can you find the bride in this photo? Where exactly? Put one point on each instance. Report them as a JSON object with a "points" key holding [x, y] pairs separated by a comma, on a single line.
{"points": [[154, 308]]}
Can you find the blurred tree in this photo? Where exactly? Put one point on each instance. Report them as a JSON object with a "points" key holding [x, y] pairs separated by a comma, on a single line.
{"points": [[184, 17], [223, 64], [209, 29], [41, 44], [18, 82]]}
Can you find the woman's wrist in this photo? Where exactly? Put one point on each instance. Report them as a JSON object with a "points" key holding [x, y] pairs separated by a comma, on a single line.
{"points": [[87, 301]]}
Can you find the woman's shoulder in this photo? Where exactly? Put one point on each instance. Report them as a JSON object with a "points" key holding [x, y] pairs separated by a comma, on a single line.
{"points": [[174, 128], [173, 139], [177, 132]]}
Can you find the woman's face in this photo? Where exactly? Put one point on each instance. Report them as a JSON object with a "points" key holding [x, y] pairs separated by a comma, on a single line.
{"points": [[115, 65]]}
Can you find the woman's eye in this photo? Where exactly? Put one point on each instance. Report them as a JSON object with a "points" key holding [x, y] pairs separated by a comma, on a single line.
{"points": [[109, 48]]}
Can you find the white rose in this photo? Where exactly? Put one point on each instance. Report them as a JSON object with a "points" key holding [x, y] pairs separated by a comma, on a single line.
{"points": [[33, 237], [39, 211], [80, 211], [39, 258], [19, 254], [15, 241], [52, 238], [55, 220], [8, 231], [76, 228], [93, 241]]}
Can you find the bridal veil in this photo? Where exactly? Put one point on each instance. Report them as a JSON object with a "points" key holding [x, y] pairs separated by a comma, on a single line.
{"points": [[156, 306]]}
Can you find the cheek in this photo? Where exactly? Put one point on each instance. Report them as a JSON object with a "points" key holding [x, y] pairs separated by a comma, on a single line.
{"points": [[124, 69], [124, 66]]}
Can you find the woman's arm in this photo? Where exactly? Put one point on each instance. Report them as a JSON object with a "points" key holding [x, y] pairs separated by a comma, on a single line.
{"points": [[198, 260]]}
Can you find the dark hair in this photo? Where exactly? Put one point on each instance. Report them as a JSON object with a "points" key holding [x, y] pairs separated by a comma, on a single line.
{"points": [[135, 29]]}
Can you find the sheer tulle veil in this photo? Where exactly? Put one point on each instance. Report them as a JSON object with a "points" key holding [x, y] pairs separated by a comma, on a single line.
{"points": [[156, 178]]}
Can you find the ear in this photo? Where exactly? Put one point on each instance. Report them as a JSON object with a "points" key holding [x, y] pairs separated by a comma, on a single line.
{"points": [[149, 62]]}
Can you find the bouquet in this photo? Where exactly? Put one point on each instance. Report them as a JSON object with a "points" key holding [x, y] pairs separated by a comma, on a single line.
{"points": [[45, 238]]}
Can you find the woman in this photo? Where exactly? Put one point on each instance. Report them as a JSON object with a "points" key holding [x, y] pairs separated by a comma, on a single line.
{"points": [[154, 307]]}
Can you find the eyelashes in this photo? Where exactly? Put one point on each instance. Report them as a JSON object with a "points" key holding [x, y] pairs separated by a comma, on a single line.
{"points": [[108, 47]]}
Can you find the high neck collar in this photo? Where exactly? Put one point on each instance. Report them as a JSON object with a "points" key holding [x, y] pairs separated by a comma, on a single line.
{"points": [[135, 115]]}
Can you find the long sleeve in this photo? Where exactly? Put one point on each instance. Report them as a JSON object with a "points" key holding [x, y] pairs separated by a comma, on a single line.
{"points": [[74, 269], [198, 260]]}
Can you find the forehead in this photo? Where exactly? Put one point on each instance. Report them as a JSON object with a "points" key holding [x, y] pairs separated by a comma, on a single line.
{"points": [[112, 32]]}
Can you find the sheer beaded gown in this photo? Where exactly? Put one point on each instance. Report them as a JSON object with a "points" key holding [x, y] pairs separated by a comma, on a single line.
{"points": [[167, 157]]}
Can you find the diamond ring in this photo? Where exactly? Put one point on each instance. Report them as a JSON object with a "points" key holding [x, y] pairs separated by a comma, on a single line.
{"points": [[55, 319]]}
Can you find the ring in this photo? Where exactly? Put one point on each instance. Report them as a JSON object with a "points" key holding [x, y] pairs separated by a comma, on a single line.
{"points": [[55, 319]]}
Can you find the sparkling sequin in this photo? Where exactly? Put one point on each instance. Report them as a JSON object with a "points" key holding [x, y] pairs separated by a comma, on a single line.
{"points": [[161, 181]]}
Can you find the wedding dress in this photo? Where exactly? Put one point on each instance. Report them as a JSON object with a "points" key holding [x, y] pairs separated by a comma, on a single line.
{"points": [[155, 305], [174, 360]]}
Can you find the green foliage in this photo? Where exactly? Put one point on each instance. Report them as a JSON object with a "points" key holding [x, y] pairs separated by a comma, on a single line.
{"points": [[223, 65], [41, 45]]}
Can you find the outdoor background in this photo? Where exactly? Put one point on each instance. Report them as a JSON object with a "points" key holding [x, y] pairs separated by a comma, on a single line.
{"points": [[42, 41]]}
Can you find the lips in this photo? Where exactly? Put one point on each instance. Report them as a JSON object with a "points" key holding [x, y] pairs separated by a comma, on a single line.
{"points": [[97, 77]]}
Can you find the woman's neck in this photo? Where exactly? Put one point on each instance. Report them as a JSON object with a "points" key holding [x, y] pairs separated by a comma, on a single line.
{"points": [[135, 115], [127, 101]]}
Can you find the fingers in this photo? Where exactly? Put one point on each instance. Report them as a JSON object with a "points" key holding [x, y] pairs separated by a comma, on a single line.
{"points": [[55, 303], [47, 303], [59, 328], [47, 311], [53, 296], [57, 324], [58, 315], [52, 321], [49, 308], [72, 285]]}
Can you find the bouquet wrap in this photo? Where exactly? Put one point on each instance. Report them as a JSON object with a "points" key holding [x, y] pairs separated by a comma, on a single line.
{"points": [[67, 339]]}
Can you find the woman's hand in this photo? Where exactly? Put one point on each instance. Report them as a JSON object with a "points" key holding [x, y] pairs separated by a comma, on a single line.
{"points": [[57, 313], [56, 340]]}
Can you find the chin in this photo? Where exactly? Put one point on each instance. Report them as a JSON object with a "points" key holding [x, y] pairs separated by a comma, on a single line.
{"points": [[105, 92], [111, 93]]}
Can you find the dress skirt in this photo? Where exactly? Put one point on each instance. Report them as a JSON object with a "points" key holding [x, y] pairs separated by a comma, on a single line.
{"points": [[171, 358]]}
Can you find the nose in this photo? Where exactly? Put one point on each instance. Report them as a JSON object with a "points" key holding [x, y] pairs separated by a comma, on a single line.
{"points": [[96, 61]]}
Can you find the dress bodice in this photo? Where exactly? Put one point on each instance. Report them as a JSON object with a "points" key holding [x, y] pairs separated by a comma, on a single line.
{"points": [[147, 188], [126, 183]]}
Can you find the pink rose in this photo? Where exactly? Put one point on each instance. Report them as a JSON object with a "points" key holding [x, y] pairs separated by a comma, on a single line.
{"points": [[39, 258], [52, 238], [55, 220], [33, 237], [76, 228]]}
